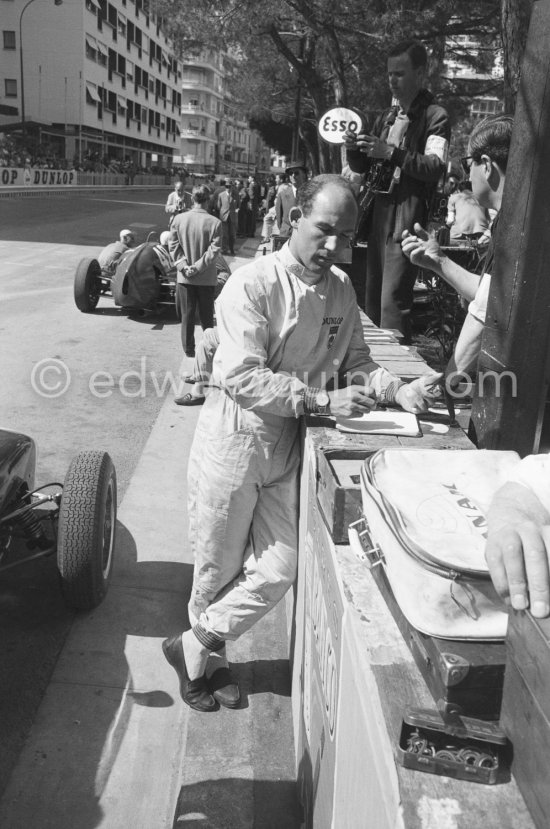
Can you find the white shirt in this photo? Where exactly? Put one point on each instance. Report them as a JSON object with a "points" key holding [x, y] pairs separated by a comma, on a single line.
{"points": [[279, 335], [478, 306]]}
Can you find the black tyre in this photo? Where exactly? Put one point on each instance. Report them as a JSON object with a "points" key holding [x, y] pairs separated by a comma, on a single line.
{"points": [[87, 523], [87, 285]]}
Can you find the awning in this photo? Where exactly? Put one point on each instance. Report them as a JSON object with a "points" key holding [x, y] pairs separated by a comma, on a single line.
{"points": [[102, 48], [91, 89], [92, 42], [121, 102]]}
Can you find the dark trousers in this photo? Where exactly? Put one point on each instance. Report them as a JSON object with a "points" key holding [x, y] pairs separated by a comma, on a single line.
{"points": [[390, 277], [241, 222], [251, 221], [229, 233], [191, 298]]}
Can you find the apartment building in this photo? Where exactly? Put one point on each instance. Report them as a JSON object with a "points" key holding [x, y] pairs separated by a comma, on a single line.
{"points": [[483, 103], [98, 79], [215, 135]]}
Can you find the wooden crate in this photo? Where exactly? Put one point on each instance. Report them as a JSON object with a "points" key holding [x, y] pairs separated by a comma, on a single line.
{"points": [[526, 710]]}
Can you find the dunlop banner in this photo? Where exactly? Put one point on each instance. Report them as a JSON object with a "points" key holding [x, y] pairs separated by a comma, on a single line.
{"points": [[29, 177]]}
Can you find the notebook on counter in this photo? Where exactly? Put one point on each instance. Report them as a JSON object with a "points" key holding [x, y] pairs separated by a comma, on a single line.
{"points": [[381, 423]]}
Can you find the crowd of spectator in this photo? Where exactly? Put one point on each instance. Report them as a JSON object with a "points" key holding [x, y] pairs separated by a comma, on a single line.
{"points": [[44, 157]]}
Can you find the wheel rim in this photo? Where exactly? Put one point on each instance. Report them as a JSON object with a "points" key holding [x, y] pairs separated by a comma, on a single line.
{"points": [[108, 533]]}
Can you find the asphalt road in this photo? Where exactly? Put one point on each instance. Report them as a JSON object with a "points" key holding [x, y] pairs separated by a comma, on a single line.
{"points": [[72, 381]]}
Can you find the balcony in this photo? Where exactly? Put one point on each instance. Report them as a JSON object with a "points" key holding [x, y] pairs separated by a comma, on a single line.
{"points": [[196, 135], [207, 58], [201, 86], [200, 109], [186, 107]]}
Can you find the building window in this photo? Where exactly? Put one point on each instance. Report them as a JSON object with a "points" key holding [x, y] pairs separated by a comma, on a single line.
{"points": [[9, 40], [10, 88], [92, 95], [91, 47], [102, 53]]}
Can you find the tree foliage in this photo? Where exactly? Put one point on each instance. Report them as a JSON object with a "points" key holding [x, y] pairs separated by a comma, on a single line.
{"points": [[299, 58]]}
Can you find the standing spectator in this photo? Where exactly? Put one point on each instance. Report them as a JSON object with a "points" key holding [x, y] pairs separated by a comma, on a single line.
{"points": [[286, 195], [228, 207], [194, 245], [411, 138], [243, 208], [178, 201], [270, 193], [253, 205]]}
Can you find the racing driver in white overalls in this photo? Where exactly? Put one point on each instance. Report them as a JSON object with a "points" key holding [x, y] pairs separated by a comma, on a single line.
{"points": [[288, 324]]}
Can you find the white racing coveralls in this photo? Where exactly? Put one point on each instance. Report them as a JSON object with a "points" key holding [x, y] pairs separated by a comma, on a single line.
{"points": [[278, 336]]}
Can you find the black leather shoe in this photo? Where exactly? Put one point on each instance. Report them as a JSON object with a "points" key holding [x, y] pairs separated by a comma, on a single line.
{"points": [[194, 692], [224, 689]]}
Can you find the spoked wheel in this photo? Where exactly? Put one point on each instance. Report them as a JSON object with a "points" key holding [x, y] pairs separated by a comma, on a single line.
{"points": [[87, 285], [87, 524]]}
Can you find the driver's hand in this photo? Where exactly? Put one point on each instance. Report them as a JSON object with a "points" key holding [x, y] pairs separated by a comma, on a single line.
{"points": [[419, 395], [353, 400]]}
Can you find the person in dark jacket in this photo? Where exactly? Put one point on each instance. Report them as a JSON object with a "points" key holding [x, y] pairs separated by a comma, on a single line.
{"points": [[410, 140], [194, 244], [243, 197]]}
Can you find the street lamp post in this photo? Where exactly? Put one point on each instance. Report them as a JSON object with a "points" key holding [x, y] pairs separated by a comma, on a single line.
{"points": [[27, 4]]}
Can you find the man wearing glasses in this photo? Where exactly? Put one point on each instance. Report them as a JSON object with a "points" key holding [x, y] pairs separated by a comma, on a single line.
{"points": [[485, 165]]}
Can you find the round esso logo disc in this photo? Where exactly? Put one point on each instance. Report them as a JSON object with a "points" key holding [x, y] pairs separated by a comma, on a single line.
{"points": [[334, 123]]}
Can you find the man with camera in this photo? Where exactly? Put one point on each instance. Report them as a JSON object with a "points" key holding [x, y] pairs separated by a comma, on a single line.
{"points": [[410, 139], [178, 201]]}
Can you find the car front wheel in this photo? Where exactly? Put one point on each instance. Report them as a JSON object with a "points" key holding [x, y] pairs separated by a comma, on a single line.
{"points": [[87, 285], [87, 524]]}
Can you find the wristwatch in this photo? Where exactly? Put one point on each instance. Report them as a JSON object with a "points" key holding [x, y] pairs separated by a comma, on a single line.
{"points": [[322, 403]]}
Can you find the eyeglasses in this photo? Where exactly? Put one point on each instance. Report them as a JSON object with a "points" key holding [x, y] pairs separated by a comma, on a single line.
{"points": [[466, 163]]}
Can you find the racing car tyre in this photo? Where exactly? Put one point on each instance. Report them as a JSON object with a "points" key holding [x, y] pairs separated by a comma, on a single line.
{"points": [[87, 285], [87, 523]]}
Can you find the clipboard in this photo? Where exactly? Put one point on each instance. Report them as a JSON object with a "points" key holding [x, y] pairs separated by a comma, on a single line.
{"points": [[381, 422]]}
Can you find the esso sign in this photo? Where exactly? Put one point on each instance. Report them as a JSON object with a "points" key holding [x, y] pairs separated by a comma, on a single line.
{"points": [[334, 123]]}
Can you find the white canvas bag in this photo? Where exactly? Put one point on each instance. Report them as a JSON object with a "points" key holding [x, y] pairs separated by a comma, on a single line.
{"points": [[425, 511]]}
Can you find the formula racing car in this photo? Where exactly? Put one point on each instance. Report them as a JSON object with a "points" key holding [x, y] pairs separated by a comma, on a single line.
{"points": [[76, 520], [143, 280]]}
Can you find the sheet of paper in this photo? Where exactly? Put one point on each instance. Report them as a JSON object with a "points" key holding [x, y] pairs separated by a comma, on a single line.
{"points": [[381, 423]]}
